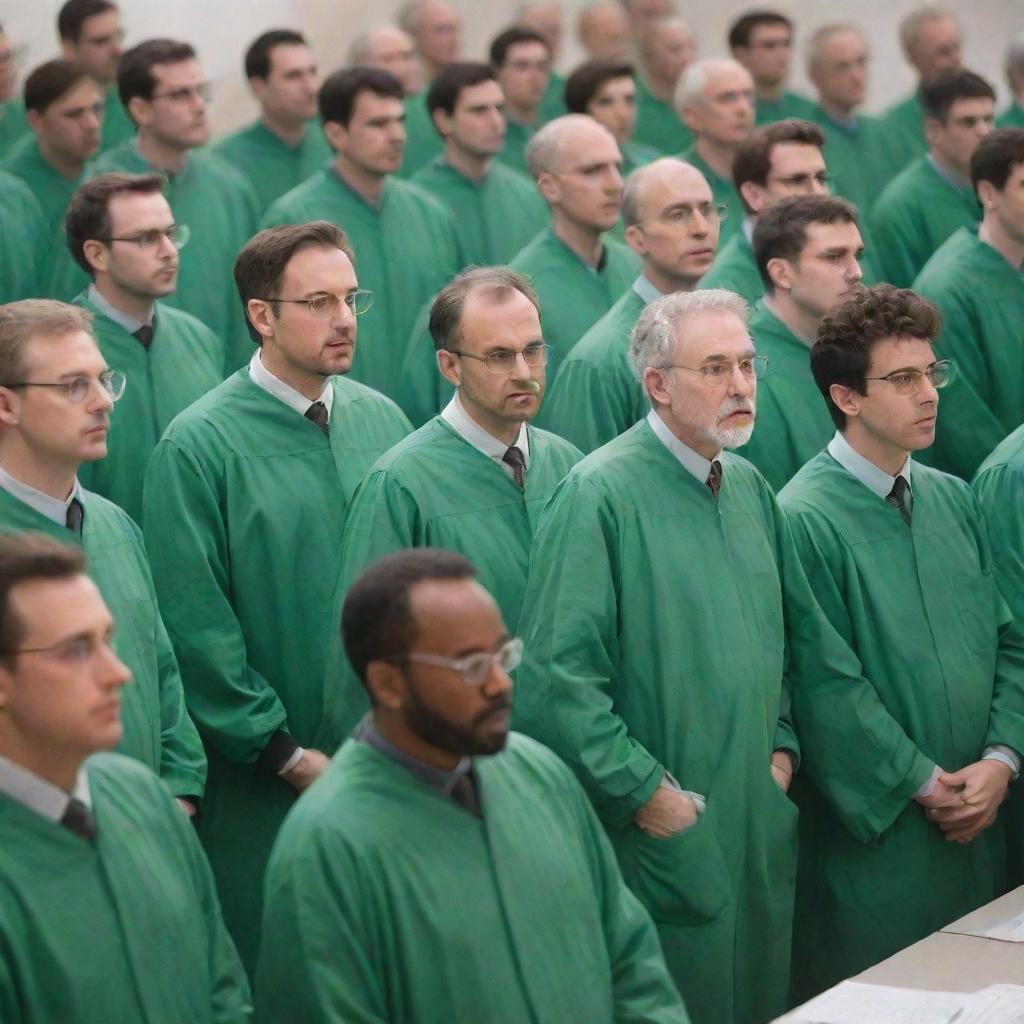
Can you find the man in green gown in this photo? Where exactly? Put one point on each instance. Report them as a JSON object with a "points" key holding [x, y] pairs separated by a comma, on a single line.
{"points": [[405, 241], [576, 271], [13, 124], [108, 911], [837, 64], [663, 52], [120, 229], [547, 18], [24, 241], [162, 85], [65, 114], [521, 59], [762, 41], [672, 224], [715, 97], [1013, 64], [444, 869], [245, 502], [927, 201], [285, 144], [808, 250], [976, 281], [665, 608], [91, 36], [391, 49], [931, 42], [48, 434], [905, 769], [495, 210]]}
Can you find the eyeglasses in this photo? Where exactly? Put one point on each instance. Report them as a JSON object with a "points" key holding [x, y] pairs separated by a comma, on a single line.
{"points": [[177, 234], [908, 382], [683, 216], [78, 649], [112, 382], [326, 306], [503, 360], [718, 373], [822, 178], [203, 91], [475, 668]]}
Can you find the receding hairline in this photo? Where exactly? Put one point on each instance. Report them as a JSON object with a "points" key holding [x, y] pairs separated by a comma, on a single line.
{"points": [[911, 25], [824, 35]]}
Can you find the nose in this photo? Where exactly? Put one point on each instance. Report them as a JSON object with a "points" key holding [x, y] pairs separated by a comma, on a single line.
{"points": [[343, 315], [699, 224], [740, 385], [854, 272], [114, 673], [928, 393], [498, 682]]}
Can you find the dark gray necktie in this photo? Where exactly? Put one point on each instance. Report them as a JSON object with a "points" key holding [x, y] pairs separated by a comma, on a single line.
{"points": [[514, 458], [900, 498], [317, 412], [75, 517], [78, 819], [145, 334], [464, 794], [714, 480]]}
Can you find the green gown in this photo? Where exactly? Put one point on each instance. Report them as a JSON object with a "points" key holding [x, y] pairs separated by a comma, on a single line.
{"points": [[914, 215], [244, 506], [494, 217], [1011, 117], [13, 125], [513, 153], [423, 141], [636, 154], [981, 298], [220, 209], [572, 295], [657, 123], [118, 127], [596, 396], [855, 156], [522, 916], [271, 166], [24, 241], [735, 270], [406, 250], [553, 103], [661, 626], [943, 678], [182, 363], [722, 191], [157, 729], [793, 423], [124, 929], [903, 138], [434, 489], [789, 104]]}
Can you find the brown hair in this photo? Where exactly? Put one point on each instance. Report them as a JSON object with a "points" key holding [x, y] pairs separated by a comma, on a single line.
{"points": [[753, 159], [23, 320], [446, 312]]}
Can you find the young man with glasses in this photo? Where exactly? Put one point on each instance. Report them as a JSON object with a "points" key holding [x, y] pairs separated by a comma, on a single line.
{"points": [[162, 86], [808, 251], [121, 231], [904, 770], [245, 502], [433, 799], [975, 280], [672, 223], [56, 396]]}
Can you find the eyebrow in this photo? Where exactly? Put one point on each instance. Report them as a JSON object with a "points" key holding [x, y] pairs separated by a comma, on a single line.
{"points": [[466, 652], [719, 357]]}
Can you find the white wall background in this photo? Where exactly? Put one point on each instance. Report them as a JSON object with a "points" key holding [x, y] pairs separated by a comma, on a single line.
{"points": [[221, 30]]}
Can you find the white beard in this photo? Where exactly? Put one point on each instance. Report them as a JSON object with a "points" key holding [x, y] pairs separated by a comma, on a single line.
{"points": [[737, 436]]}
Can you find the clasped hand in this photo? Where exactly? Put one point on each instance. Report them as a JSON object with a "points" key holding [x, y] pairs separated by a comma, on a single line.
{"points": [[964, 803]]}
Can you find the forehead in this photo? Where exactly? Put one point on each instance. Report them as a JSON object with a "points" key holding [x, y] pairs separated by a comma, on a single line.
{"points": [[131, 210], [436, 15], [369, 105], [621, 86], [286, 56], [968, 106], [586, 144], [787, 156], [316, 268], [529, 50], [832, 236], [99, 25], [844, 46], [727, 79], [491, 322], [181, 72], [769, 33], [389, 43], [702, 336], [898, 352], [937, 31], [84, 92], [58, 608], [68, 351], [452, 615], [675, 187], [482, 93]]}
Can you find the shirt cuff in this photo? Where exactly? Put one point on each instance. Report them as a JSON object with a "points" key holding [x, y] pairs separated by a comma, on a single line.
{"points": [[1005, 755], [282, 751], [930, 783]]}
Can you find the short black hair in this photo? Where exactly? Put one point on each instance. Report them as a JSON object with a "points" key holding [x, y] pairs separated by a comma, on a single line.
{"points": [[841, 353], [743, 28], [449, 82], [940, 91], [781, 231], [995, 157], [135, 68], [377, 622], [75, 13], [257, 57], [508, 38], [340, 91], [586, 81], [49, 82], [753, 159]]}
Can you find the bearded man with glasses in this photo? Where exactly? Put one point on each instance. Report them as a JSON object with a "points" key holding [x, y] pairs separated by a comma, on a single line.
{"points": [[905, 770], [57, 393]]}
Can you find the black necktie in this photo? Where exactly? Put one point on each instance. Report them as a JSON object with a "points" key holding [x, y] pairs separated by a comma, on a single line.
{"points": [[514, 458], [317, 412], [464, 794], [78, 819], [714, 480], [145, 333], [75, 516], [900, 497]]}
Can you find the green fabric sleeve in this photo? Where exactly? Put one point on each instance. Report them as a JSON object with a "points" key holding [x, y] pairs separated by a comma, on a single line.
{"points": [[899, 249], [587, 406]]}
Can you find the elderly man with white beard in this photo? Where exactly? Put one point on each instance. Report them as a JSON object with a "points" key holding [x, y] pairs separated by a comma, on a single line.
{"points": [[665, 611]]}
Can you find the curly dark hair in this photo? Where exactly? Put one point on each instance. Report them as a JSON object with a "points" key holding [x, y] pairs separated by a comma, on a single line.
{"points": [[841, 353]]}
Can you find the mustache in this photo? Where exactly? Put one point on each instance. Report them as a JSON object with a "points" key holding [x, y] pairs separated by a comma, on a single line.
{"points": [[732, 405], [501, 704]]}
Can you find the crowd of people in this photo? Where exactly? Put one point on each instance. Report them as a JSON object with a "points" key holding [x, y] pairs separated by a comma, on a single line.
{"points": [[478, 545]]}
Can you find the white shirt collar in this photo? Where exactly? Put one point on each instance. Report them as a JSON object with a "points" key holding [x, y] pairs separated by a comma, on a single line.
{"points": [[873, 478], [111, 312], [54, 509], [748, 229], [693, 462], [263, 378], [455, 415], [646, 290], [39, 795]]}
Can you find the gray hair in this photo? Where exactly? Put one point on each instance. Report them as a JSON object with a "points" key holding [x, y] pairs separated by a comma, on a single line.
{"points": [[446, 311], [911, 25], [824, 35], [654, 336], [632, 193], [643, 44], [694, 80], [1014, 63], [544, 150]]}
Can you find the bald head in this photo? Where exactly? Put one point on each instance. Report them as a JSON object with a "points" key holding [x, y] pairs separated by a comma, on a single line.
{"points": [[390, 49], [665, 49], [603, 31], [715, 98], [643, 13], [559, 142], [436, 29], [647, 184], [931, 40], [545, 18], [837, 64]]}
